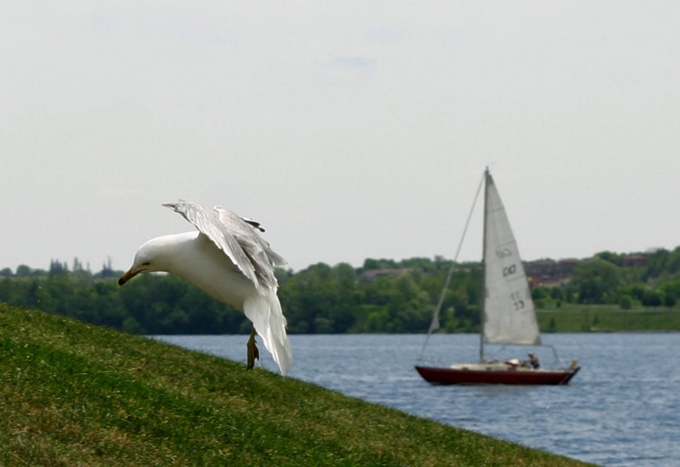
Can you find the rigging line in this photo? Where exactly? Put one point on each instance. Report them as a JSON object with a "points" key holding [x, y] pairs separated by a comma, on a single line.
{"points": [[435, 318]]}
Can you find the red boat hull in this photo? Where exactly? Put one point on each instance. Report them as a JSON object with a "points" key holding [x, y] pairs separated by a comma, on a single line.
{"points": [[455, 376]]}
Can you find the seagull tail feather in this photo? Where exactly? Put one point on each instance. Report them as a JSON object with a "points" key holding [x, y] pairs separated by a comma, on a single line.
{"points": [[267, 316]]}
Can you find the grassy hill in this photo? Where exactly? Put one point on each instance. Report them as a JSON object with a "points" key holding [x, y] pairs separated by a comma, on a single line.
{"points": [[78, 395], [607, 318]]}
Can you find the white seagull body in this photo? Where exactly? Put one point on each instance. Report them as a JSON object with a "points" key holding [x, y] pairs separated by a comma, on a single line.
{"points": [[227, 259]]}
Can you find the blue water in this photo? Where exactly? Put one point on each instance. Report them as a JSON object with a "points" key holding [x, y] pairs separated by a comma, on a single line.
{"points": [[622, 409]]}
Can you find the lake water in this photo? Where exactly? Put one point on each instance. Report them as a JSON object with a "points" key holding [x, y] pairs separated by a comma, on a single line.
{"points": [[622, 409]]}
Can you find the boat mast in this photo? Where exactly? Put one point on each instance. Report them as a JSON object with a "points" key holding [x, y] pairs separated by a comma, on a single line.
{"points": [[482, 317]]}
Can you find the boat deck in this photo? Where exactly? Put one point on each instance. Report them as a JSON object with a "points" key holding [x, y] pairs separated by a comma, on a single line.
{"points": [[498, 366]]}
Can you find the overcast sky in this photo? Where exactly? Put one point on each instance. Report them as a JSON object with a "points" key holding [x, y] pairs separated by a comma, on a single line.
{"points": [[348, 129]]}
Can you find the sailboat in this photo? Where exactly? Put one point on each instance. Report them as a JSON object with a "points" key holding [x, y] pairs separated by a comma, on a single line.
{"points": [[508, 316]]}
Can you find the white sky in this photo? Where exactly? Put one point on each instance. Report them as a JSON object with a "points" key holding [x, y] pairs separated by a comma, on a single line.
{"points": [[349, 129]]}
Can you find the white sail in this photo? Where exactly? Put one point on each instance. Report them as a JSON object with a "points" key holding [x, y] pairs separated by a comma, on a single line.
{"points": [[508, 315]]}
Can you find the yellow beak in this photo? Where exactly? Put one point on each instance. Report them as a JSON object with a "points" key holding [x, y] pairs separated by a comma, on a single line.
{"points": [[126, 277]]}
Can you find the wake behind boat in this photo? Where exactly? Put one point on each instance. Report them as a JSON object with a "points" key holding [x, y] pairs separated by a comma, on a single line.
{"points": [[508, 316]]}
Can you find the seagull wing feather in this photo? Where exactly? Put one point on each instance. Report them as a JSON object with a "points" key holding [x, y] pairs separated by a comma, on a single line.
{"points": [[219, 233], [251, 231], [260, 254]]}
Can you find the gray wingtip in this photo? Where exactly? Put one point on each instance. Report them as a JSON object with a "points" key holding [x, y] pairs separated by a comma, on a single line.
{"points": [[175, 204]]}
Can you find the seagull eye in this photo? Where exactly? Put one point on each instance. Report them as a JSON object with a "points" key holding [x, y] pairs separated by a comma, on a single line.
{"points": [[147, 263]]}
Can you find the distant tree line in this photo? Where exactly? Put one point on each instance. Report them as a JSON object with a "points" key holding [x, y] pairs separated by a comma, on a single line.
{"points": [[382, 296], [606, 279]]}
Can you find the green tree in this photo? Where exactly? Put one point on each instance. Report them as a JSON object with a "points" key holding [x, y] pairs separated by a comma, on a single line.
{"points": [[556, 292], [595, 278], [23, 271], [625, 302], [653, 298], [613, 258], [657, 264], [671, 289]]}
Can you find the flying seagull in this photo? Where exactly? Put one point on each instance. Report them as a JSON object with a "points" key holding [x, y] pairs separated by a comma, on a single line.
{"points": [[229, 260]]}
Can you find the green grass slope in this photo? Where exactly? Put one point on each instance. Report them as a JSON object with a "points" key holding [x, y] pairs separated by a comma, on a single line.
{"points": [[79, 395], [607, 318]]}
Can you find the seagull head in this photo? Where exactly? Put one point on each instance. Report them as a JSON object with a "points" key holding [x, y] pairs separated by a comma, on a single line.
{"points": [[150, 257]]}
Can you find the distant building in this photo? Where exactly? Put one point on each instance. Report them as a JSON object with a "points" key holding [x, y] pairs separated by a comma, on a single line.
{"points": [[548, 272], [634, 260], [375, 274]]}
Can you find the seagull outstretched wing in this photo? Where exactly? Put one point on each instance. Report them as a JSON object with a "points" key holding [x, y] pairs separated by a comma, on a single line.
{"points": [[237, 238], [209, 225]]}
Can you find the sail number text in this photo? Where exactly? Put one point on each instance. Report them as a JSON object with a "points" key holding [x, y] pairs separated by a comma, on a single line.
{"points": [[504, 253], [509, 270], [517, 300]]}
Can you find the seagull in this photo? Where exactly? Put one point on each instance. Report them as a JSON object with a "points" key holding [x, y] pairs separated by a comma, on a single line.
{"points": [[228, 259]]}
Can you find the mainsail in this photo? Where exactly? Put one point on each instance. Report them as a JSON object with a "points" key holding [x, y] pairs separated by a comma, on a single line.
{"points": [[508, 315]]}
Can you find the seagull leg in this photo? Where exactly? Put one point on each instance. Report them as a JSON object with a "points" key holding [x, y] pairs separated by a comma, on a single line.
{"points": [[253, 353]]}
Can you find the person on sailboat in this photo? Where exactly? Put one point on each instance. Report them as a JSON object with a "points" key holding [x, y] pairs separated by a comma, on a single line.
{"points": [[533, 361]]}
